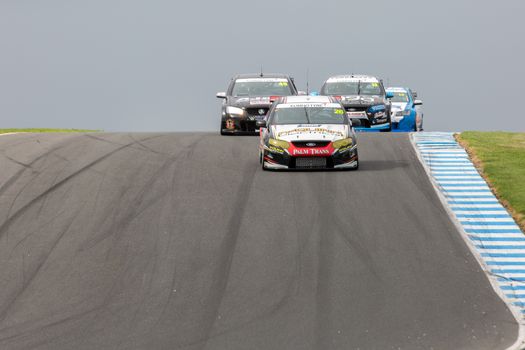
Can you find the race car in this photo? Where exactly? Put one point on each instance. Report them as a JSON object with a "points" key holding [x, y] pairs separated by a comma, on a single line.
{"points": [[406, 110], [364, 99], [248, 99], [307, 132]]}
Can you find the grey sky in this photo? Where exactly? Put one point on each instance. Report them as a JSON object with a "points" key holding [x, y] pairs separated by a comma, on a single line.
{"points": [[130, 65]]}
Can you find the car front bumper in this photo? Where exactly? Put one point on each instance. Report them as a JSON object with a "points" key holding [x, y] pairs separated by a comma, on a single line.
{"points": [[347, 159]]}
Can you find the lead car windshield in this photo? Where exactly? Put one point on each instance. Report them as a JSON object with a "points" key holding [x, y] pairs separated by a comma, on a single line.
{"points": [[351, 88], [308, 115], [261, 87]]}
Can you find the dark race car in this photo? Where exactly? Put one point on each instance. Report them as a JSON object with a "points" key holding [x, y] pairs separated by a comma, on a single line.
{"points": [[248, 99], [364, 99], [307, 132]]}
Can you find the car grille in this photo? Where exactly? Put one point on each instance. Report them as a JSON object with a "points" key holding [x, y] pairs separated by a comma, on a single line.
{"points": [[303, 144], [255, 111], [310, 162], [356, 109]]}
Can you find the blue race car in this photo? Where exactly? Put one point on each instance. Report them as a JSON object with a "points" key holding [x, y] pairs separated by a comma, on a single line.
{"points": [[407, 114]]}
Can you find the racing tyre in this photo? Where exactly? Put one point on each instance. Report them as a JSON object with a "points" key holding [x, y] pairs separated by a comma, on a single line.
{"points": [[357, 167]]}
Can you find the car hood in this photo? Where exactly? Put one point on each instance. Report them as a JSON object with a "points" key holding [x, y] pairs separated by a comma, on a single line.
{"points": [[399, 105], [360, 100], [247, 102], [310, 132]]}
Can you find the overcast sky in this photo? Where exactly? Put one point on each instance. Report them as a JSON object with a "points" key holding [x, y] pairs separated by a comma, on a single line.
{"points": [[155, 65]]}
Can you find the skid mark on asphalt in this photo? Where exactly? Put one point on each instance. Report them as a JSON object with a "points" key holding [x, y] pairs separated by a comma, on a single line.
{"points": [[496, 238]]}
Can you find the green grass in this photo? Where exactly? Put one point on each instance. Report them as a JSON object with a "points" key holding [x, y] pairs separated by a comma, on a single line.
{"points": [[5, 131], [501, 158]]}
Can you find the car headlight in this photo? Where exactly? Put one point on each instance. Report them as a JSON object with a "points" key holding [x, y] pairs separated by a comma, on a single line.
{"points": [[403, 113], [234, 110], [279, 143], [342, 143]]}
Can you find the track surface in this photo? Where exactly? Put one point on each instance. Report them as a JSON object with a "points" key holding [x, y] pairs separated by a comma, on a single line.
{"points": [[180, 241]]}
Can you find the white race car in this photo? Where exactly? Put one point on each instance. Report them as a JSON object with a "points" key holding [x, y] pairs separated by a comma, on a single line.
{"points": [[307, 132]]}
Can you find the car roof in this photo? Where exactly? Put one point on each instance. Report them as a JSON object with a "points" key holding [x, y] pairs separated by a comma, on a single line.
{"points": [[258, 75], [307, 99], [353, 77], [397, 89]]}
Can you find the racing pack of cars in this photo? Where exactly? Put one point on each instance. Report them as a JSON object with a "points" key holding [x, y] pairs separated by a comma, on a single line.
{"points": [[316, 131]]}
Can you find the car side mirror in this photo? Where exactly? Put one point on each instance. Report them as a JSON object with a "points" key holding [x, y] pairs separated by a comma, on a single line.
{"points": [[221, 95], [389, 94], [261, 123], [301, 93], [418, 103]]}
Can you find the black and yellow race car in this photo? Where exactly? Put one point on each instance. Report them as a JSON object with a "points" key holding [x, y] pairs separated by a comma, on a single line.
{"points": [[248, 99]]}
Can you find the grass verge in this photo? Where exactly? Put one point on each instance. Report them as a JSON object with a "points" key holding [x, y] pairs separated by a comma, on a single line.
{"points": [[7, 131], [500, 158]]}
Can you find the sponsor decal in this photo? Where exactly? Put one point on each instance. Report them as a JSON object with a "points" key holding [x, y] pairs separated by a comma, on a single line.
{"points": [[339, 111], [305, 105], [230, 124], [283, 83], [311, 144], [351, 79], [310, 152], [360, 99], [356, 114], [318, 130], [275, 149], [259, 100], [377, 108]]}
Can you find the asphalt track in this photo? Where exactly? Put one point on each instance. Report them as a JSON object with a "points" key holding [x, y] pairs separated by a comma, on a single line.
{"points": [[181, 241]]}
